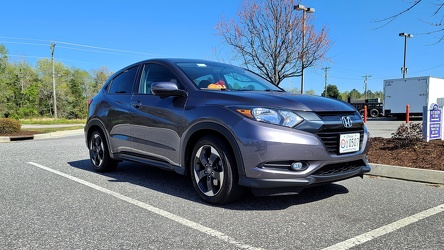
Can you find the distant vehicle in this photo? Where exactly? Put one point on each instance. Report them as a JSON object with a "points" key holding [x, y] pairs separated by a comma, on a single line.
{"points": [[374, 107], [224, 126], [415, 91]]}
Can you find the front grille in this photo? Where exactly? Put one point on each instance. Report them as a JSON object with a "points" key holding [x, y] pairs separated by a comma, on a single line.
{"points": [[331, 139], [330, 127], [339, 168]]}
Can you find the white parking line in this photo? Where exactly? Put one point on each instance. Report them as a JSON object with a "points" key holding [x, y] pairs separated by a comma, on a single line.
{"points": [[358, 240], [158, 211]]}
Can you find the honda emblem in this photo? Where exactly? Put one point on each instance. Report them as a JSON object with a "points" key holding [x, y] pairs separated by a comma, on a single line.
{"points": [[347, 121]]}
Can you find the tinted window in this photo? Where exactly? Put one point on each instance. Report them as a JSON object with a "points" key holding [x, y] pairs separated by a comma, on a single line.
{"points": [[235, 79], [242, 82], [123, 83], [155, 73]]}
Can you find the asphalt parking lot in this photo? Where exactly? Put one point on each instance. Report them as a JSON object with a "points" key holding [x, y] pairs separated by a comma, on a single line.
{"points": [[50, 199], [384, 127]]}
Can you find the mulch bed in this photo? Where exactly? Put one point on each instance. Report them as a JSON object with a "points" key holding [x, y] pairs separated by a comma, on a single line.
{"points": [[21, 133], [426, 155]]}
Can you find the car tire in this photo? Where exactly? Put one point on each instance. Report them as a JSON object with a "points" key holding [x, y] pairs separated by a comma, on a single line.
{"points": [[99, 153], [213, 171]]}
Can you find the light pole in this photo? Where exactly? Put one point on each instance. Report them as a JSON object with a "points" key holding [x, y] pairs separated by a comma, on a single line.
{"points": [[304, 10], [405, 35]]}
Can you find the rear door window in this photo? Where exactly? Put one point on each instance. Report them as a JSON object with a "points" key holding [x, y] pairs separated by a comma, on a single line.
{"points": [[123, 83]]}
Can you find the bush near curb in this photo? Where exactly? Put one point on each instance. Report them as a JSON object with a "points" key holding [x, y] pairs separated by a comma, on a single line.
{"points": [[407, 135], [8, 126]]}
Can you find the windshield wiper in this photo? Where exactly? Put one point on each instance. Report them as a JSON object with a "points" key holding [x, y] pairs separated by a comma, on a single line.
{"points": [[274, 90]]}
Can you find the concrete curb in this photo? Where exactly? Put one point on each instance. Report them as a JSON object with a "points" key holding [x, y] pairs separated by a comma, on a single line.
{"points": [[57, 134], [406, 173], [4, 139]]}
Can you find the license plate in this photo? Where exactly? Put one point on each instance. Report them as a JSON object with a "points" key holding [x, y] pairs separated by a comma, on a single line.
{"points": [[349, 143]]}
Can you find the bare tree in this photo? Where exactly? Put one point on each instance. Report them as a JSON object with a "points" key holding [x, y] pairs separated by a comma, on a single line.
{"points": [[438, 6], [267, 37]]}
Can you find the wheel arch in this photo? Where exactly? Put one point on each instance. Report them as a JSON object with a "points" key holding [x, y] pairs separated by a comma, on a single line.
{"points": [[96, 124], [199, 130]]}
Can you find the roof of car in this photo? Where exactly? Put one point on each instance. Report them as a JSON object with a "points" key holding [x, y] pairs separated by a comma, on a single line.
{"points": [[183, 60]]}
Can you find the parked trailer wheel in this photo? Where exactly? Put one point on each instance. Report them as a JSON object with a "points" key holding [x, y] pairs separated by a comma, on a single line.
{"points": [[374, 113]]}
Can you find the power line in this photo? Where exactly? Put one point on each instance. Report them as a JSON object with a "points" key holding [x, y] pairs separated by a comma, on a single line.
{"points": [[36, 44], [102, 48], [100, 51], [93, 48]]}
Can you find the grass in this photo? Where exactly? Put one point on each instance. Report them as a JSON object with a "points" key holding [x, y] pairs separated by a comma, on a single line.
{"points": [[51, 121], [50, 130]]}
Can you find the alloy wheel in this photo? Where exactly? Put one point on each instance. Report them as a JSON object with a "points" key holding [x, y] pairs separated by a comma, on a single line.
{"points": [[96, 150], [208, 170]]}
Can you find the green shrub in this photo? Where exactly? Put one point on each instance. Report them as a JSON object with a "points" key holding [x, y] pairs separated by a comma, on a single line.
{"points": [[408, 135], [8, 126]]}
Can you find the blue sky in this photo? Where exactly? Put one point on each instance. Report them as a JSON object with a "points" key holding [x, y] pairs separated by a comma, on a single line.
{"points": [[135, 30]]}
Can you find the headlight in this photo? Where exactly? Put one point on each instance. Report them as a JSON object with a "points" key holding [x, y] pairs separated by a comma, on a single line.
{"points": [[274, 116]]}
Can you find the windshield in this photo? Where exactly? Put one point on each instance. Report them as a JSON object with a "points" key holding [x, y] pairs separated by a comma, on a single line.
{"points": [[224, 77]]}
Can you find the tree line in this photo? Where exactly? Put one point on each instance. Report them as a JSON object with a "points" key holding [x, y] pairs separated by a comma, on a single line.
{"points": [[353, 95], [26, 90]]}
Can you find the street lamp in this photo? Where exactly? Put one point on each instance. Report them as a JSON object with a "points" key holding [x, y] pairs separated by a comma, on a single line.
{"points": [[405, 35], [304, 10]]}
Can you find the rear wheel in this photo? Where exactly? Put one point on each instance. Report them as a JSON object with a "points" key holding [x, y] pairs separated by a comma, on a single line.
{"points": [[99, 153], [213, 172]]}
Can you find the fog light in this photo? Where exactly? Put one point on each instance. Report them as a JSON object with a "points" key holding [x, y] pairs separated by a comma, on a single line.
{"points": [[297, 166], [366, 159]]}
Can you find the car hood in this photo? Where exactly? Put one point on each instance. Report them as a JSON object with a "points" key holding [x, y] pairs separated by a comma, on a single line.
{"points": [[273, 99]]}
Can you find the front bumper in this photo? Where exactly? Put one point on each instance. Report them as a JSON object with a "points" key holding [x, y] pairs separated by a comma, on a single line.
{"points": [[266, 187], [264, 146]]}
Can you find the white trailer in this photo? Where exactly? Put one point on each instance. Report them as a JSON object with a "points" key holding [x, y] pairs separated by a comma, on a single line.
{"points": [[415, 92]]}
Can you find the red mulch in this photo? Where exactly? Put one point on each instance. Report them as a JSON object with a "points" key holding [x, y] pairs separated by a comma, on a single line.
{"points": [[427, 155], [21, 133]]}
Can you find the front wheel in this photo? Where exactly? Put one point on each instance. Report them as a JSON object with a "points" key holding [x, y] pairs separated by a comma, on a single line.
{"points": [[99, 153], [213, 171]]}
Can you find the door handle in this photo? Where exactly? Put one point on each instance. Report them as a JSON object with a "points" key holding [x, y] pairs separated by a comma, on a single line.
{"points": [[137, 104]]}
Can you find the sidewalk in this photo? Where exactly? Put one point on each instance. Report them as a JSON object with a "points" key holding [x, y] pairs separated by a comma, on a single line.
{"points": [[31, 126]]}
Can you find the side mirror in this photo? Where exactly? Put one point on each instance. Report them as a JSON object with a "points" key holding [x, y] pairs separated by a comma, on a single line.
{"points": [[166, 89]]}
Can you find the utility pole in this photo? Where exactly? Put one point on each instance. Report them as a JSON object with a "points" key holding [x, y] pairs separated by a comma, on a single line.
{"points": [[52, 46], [365, 85], [326, 80]]}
